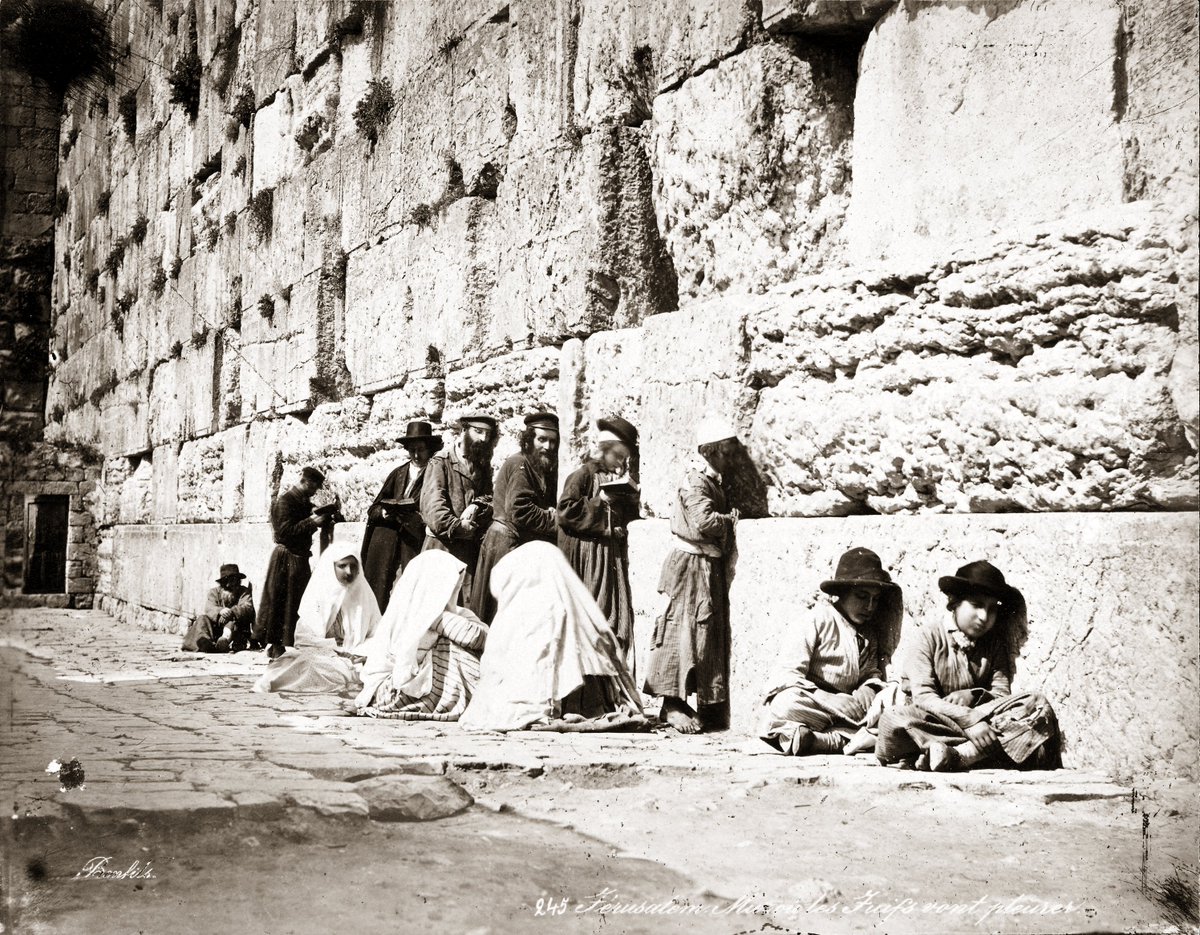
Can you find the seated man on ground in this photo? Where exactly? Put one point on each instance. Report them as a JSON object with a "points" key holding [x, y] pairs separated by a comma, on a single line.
{"points": [[224, 626], [963, 712], [338, 614], [423, 661], [551, 662], [830, 670]]}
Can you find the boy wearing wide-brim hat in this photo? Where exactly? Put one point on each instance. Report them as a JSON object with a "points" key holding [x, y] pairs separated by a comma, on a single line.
{"points": [[689, 651], [830, 670], [228, 615], [395, 531], [963, 711]]}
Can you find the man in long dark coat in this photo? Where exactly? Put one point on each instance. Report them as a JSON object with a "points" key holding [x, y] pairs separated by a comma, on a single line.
{"points": [[524, 504], [592, 525], [456, 495], [395, 532], [288, 571], [689, 651]]}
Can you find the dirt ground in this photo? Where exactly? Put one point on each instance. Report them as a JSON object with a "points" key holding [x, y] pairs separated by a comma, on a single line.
{"points": [[481, 872], [772, 858], [243, 813]]}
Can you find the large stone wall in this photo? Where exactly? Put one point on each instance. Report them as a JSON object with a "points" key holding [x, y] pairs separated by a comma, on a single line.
{"points": [[939, 260]]}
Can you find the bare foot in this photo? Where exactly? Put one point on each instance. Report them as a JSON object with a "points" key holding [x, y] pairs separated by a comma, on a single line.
{"points": [[942, 758], [679, 715]]}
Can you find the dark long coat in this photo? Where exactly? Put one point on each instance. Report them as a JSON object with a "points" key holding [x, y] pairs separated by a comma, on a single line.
{"points": [[392, 538]]}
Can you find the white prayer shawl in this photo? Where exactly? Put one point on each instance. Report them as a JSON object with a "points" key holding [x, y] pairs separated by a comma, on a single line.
{"points": [[547, 635], [325, 596], [400, 647]]}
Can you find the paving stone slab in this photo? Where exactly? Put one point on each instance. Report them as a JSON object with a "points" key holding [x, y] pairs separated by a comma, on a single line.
{"points": [[329, 804], [413, 798], [258, 806], [105, 806]]}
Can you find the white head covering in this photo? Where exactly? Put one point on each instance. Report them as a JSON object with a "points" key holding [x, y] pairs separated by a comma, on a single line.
{"points": [[325, 596], [547, 635], [429, 585], [713, 428]]}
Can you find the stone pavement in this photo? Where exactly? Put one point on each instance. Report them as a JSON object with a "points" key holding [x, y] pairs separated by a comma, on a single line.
{"points": [[179, 738], [160, 730]]}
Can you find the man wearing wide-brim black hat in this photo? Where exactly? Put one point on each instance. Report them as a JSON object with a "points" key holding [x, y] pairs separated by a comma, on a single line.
{"points": [[963, 711], [395, 531], [228, 615]]}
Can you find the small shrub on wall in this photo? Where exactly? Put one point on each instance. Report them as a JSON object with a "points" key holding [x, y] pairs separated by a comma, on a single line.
{"points": [[185, 82], [65, 43], [261, 213], [127, 108], [375, 109]]}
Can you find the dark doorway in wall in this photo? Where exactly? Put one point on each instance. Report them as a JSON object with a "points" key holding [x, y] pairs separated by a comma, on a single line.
{"points": [[46, 544]]}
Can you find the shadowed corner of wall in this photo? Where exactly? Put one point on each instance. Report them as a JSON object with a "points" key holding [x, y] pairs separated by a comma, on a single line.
{"points": [[746, 486]]}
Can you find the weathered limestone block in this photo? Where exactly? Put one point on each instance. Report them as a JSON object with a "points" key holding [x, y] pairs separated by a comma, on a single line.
{"points": [[274, 149], [692, 364], [164, 484], [600, 376], [233, 450], [823, 17], [167, 570], [974, 118], [423, 296], [357, 480], [581, 250], [201, 482], [391, 410], [262, 464], [1109, 596], [751, 166], [1032, 376], [275, 31], [629, 50], [136, 494], [1155, 77], [507, 388], [276, 371]]}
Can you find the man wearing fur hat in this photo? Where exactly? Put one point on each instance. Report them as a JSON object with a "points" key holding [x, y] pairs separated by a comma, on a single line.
{"points": [[598, 502], [526, 485], [689, 651], [456, 495], [394, 531]]}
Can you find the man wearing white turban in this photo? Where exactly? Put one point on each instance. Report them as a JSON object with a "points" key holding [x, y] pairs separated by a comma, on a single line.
{"points": [[338, 614], [423, 662], [551, 659]]}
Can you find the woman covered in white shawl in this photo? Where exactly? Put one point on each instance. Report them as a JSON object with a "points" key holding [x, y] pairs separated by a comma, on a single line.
{"points": [[551, 661], [423, 661], [338, 615]]}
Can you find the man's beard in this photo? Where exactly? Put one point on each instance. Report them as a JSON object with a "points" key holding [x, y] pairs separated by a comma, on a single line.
{"points": [[477, 452], [543, 463]]}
